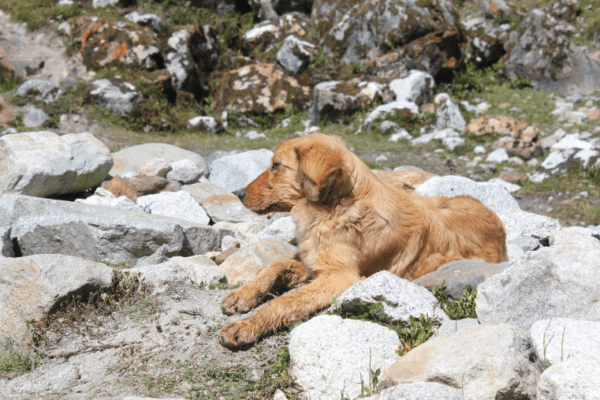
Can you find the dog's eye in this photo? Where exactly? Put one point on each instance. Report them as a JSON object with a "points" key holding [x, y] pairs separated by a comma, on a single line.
{"points": [[275, 166]]}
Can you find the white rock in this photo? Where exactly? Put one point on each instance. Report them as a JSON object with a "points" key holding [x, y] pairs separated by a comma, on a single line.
{"points": [[479, 149], [556, 281], [401, 134], [417, 87], [219, 204], [197, 269], [485, 361], [329, 355], [571, 141], [558, 339], [419, 391], [283, 229], [44, 164], [400, 298], [498, 156], [494, 196], [511, 187], [208, 124], [452, 142], [236, 171], [448, 115], [185, 171], [245, 232], [522, 223], [174, 204], [121, 202], [576, 378], [157, 167]]}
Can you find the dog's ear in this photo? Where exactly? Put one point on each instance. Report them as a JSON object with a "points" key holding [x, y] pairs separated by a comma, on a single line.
{"points": [[322, 174]]}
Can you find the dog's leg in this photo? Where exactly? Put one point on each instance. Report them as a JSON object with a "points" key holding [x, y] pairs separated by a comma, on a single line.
{"points": [[284, 274], [287, 309]]}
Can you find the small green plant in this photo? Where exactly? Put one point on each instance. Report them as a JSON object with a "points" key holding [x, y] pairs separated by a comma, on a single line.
{"points": [[473, 81], [416, 333], [223, 286], [18, 362], [371, 388], [463, 307]]}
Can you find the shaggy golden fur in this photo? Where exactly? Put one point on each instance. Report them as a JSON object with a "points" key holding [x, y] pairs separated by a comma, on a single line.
{"points": [[351, 224]]}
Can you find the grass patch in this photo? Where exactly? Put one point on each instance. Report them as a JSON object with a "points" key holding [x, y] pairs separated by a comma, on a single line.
{"points": [[414, 334], [18, 362], [463, 307]]}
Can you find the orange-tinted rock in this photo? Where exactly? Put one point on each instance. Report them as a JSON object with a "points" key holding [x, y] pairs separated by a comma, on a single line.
{"points": [[6, 115], [223, 255], [512, 176], [139, 185], [502, 125], [259, 88], [593, 115]]}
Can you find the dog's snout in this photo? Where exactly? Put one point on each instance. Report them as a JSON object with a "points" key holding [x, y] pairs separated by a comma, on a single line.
{"points": [[241, 194]]}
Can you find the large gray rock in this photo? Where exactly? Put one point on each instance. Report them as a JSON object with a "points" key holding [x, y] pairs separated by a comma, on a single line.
{"points": [[6, 246], [45, 164], [219, 204], [112, 98], [576, 378], [541, 50], [282, 229], [42, 226], [330, 355], [35, 285], [460, 273], [358, 32], [519, 223], [295, 54], [47, 91], [244, 232], [244, 264], [131, 159], [419, 391], [556, 281], [485, 361], [103, 197], [491, 195], [400, 298], [185, 171], [238, 170], [179, 205], [196, 269], [334, 99], [558, 339]]}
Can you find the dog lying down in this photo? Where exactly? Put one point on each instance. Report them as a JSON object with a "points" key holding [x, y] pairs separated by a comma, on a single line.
{"points": [[351, 224]]}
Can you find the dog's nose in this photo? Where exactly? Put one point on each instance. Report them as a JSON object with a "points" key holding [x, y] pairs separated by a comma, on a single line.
{"points": [[241, 194]]}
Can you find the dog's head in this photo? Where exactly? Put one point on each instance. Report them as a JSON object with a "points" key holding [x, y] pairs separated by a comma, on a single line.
{"points": [[314, 167]]}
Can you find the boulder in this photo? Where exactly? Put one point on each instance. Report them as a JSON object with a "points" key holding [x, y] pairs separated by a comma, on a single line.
{"points": [[47, 91], [295, 54], [576, 378], [245, 263], [35, 285], [419, 391], [557, 162], [34, 117], [219, 204], [499, 124], [559, 281], [259, 88], [282, 229], [460, 273], [497, 156], [185, 171], [146, 19], [236, 171], [557, 340], [496, 365], [400, 298], [330, 356], [335, 99], [180, 63], [139, 185], [522, 223], [437, 53], [131, 159], [485, 41], [112, 98], [157, 167], [178, 270], [44, 164], [244, 232], [42, 226], [180, 205], [491, 195], [357, 32], [448, 115], [272, 31], [540, 50]]}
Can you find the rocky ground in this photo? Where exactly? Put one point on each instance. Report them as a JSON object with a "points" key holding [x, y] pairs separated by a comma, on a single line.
{"points": [[496, 92]]}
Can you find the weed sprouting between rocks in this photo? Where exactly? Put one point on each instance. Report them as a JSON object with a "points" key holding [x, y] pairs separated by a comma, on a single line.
{"points": [[15, 362], [463, 307]]}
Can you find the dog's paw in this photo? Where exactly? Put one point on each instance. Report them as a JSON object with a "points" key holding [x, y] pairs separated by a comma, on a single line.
{"points": [[240, 301], [238, 334]]}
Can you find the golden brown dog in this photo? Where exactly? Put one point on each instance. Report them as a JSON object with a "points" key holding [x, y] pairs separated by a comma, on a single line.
{"points": [[351, 224]]}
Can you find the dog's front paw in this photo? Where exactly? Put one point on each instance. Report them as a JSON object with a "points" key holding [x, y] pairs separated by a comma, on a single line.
{"points": [[242, 301], [238, 334]]}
